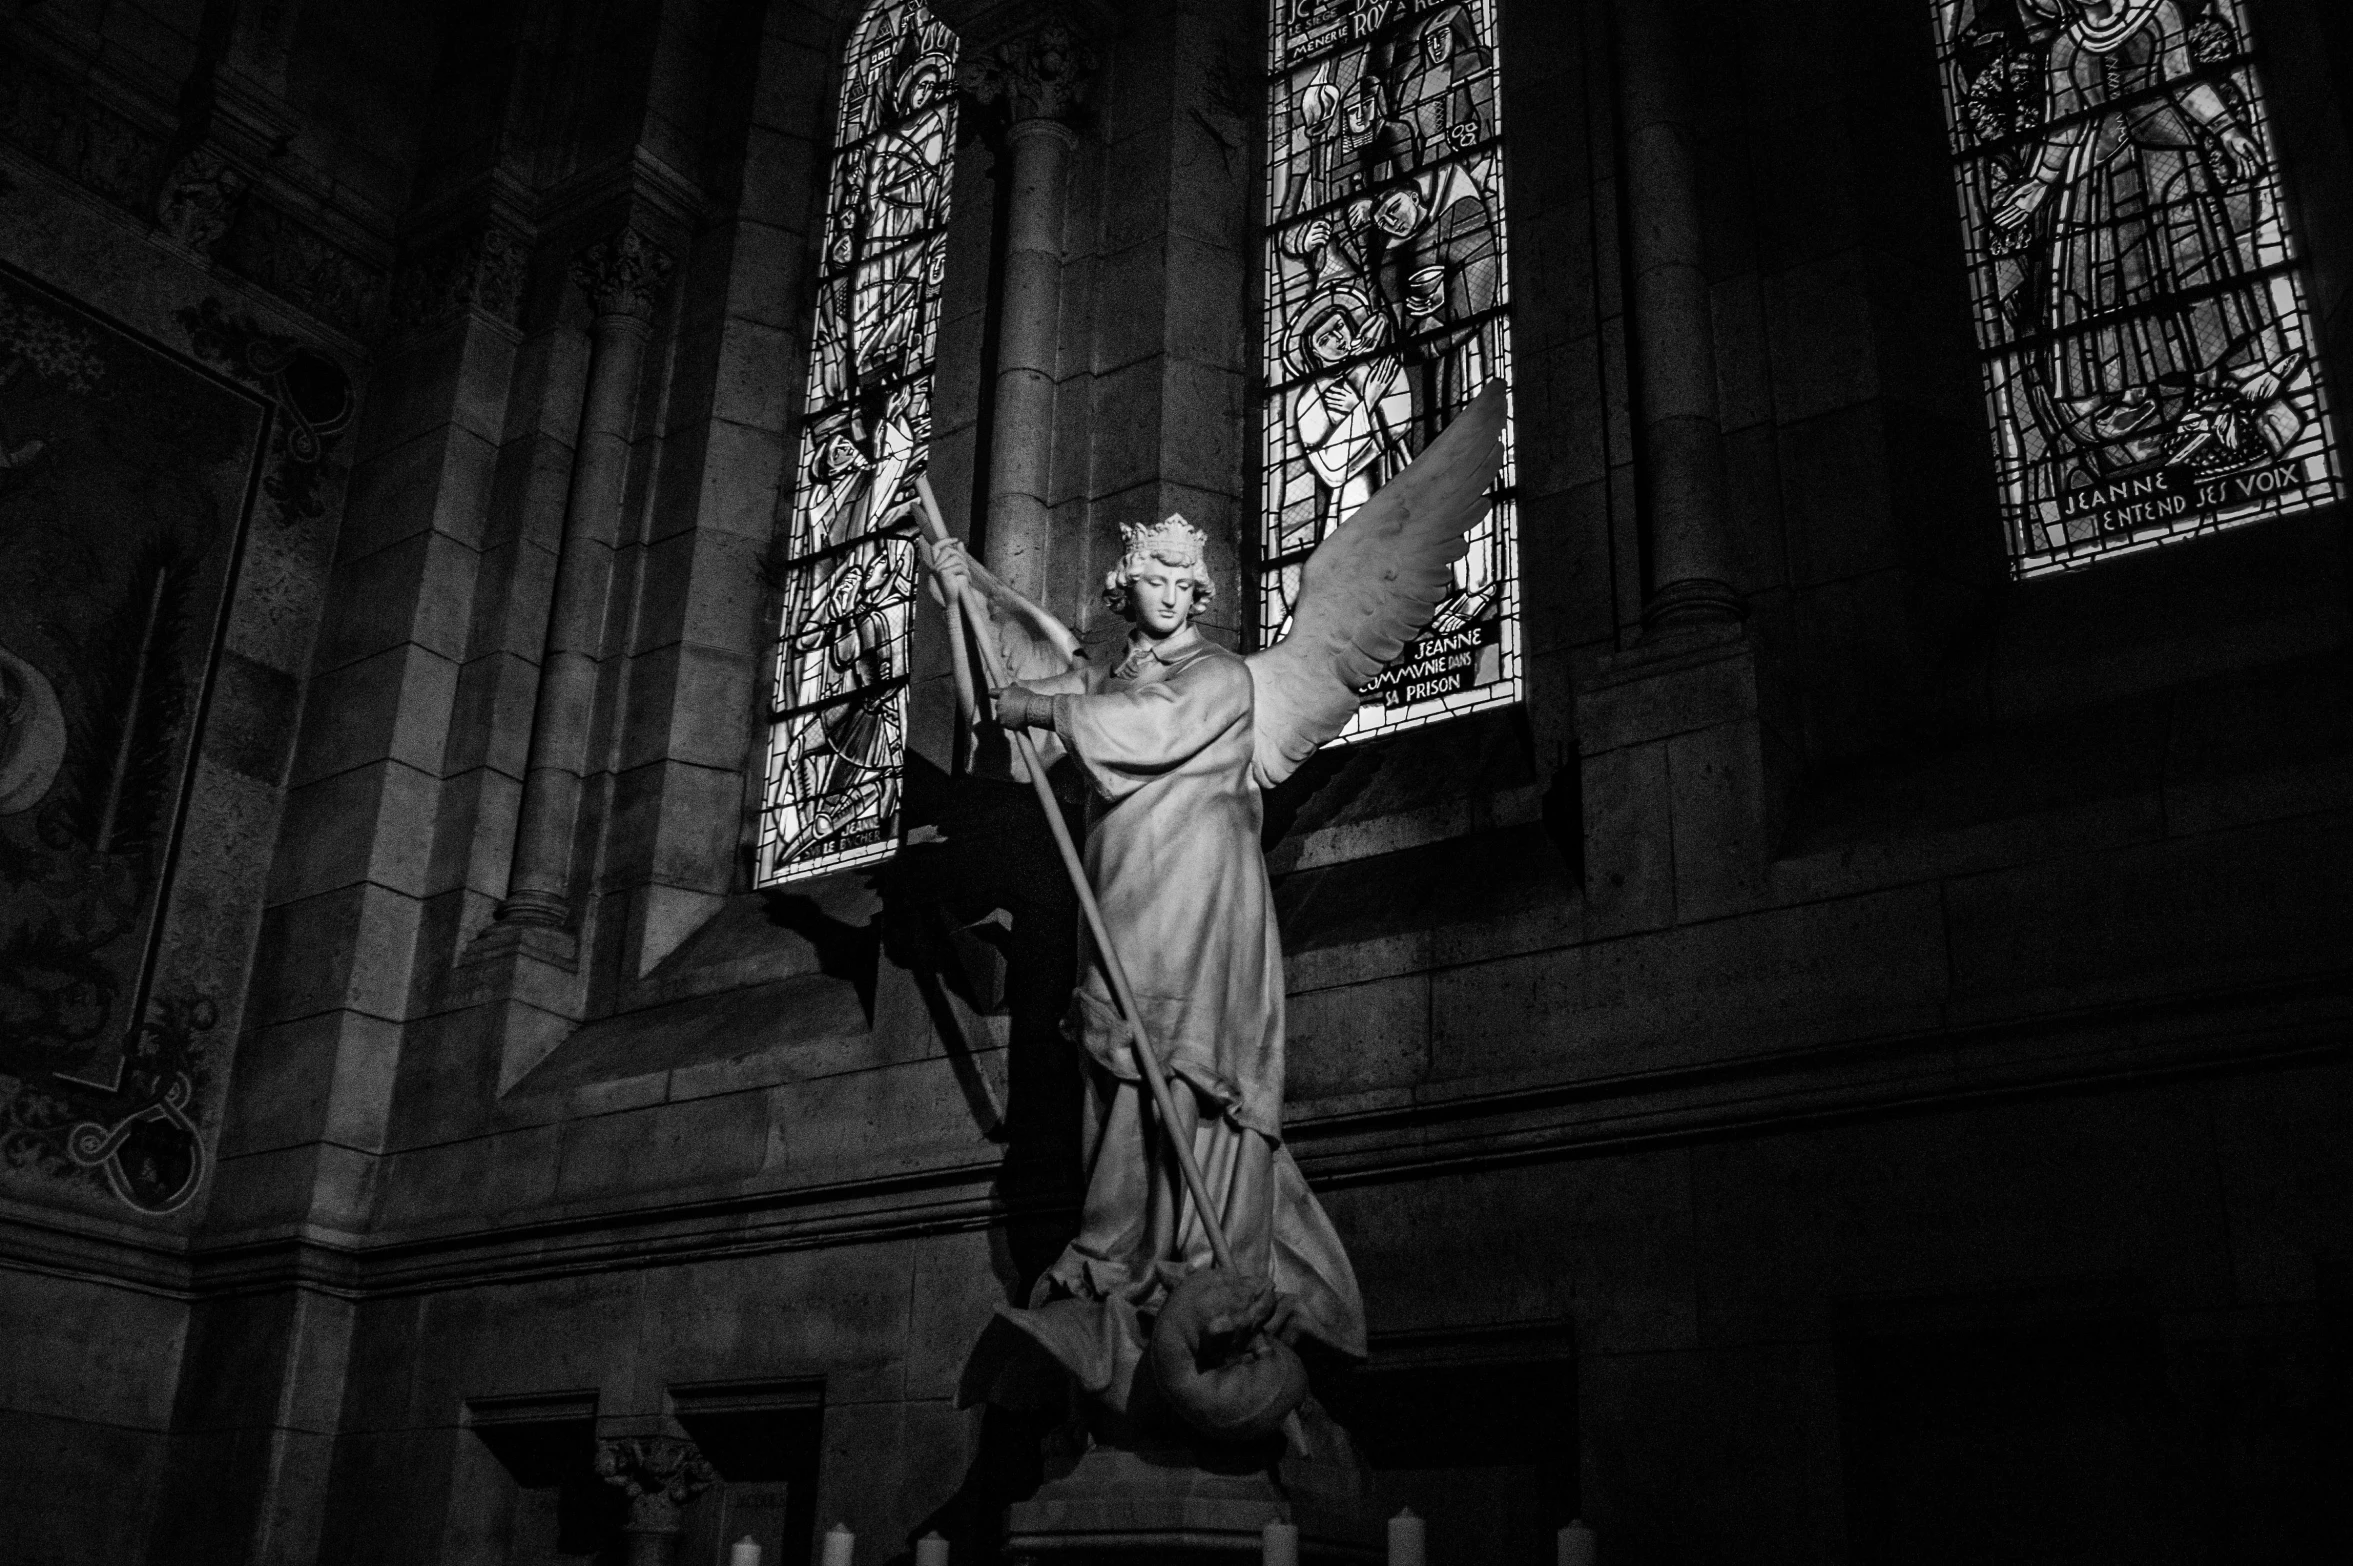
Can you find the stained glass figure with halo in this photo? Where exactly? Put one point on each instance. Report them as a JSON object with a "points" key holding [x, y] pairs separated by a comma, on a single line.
{"points": [[2147, 347]]}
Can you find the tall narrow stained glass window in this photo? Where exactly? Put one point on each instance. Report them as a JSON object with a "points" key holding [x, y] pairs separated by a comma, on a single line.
{"points": [[1384, 311], [837, 741], [2147, 351]]}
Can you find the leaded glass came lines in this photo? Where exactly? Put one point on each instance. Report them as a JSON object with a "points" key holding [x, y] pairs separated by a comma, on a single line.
{"points": [[837, 741], [1385, 311], [2147, 350]]}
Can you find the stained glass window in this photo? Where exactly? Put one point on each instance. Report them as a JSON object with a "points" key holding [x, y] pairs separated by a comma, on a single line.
{"points": [[2147, 350], [837, 741], [1384, 313]]}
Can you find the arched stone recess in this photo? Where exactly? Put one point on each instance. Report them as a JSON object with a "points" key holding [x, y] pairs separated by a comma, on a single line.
{"points": [[604, 766]]}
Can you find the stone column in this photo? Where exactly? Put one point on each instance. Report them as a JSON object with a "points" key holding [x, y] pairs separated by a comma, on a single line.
{"points": [[621, 276], [1037, 79], [1673, 334], [659, 1474]]}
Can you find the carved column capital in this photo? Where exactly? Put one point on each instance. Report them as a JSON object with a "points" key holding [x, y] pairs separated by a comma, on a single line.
{"points": [[1040, 75], [622, 275], [659, 1474]]}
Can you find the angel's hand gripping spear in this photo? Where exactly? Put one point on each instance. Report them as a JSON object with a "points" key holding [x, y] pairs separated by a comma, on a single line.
{"points": [[993, 671], [1367, 590]]}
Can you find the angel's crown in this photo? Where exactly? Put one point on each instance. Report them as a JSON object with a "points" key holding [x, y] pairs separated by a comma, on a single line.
{"points": [[1174, 540]]}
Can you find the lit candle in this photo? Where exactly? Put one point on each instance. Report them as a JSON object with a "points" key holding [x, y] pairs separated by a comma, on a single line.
{"points": [[840, 1545], [1576, 1546], [744, 1552], [1278, 1544], [1405, 1540], [931, 1550]]}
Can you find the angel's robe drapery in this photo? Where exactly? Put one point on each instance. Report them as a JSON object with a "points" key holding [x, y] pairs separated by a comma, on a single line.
{"points": [[1173, 853]]}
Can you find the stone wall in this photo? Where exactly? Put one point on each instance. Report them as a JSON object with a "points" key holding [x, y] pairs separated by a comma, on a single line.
{"points": [[1771, 1048], [197, 252]]}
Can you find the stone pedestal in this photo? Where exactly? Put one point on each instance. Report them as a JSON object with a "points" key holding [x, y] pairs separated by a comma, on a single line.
{"points": [[1181, 1505]]}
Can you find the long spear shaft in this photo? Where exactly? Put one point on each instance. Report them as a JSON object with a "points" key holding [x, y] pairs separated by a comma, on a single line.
{"points": [[993, 670]]}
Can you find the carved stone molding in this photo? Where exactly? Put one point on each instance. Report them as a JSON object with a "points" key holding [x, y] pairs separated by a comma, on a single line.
{"points": [[480, 269], [284, 254], [200, 200], [659, 1474], [52, 117], [622, 275], [1040, 75]]}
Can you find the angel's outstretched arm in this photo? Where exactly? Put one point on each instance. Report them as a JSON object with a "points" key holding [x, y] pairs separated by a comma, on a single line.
{"points": [[1039, 650], [1035, 653]]}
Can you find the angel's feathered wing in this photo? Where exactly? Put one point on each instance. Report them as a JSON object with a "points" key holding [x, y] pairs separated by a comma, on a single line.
{"points": [[1370, 588]]}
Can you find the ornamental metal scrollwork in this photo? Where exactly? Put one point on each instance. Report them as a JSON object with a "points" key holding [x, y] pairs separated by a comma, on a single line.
{"points": [[154, 1157], [313, 395]]}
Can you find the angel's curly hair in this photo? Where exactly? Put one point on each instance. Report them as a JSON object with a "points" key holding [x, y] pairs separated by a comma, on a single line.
{"points": [[1173, 542]]}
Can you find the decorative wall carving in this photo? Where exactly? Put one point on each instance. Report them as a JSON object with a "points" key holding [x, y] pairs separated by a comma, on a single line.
{"points": [[623, 275], [53, 120], [203, 203], [481, 270], [659, 1474], [200, 201], [1041, 75], [290, 259]]}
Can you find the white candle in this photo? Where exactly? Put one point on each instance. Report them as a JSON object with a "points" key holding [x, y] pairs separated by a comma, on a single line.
{"points": [[840, 1545], [1405, 1539], [1576, 1546], [744, 1552], [931, 1550], [1278, 1544]]}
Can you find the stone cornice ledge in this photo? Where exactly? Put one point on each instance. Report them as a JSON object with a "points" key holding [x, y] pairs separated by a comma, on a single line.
{"points": [[681, 1226], [89, 1249], [1401, 1135], [1486, 1122]]}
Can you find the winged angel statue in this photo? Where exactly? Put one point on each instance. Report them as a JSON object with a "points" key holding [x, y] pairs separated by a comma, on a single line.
{"points": [[1177, 742]]}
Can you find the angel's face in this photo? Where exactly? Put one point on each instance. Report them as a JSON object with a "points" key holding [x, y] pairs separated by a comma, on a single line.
{"points": [[1160, 595]]}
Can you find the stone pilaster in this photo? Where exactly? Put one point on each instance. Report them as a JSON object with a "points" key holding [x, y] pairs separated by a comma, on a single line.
{"points": [[1673, 332], [623, 277], [1686, 771], [1037, 80]]}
